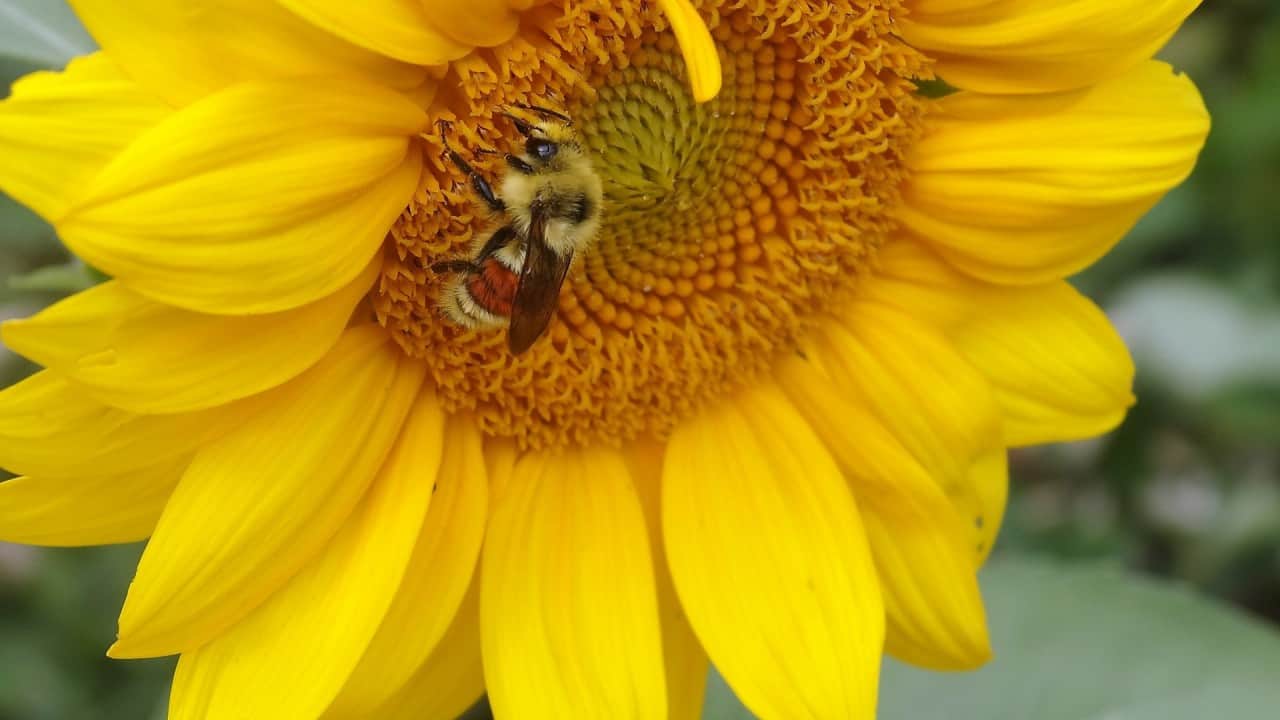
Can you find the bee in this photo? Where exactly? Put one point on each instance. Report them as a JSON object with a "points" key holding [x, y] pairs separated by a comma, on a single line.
{"points": [[550, 206]]}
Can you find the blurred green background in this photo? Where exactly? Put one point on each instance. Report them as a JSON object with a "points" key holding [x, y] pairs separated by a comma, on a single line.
{"points": [[1119, 555]]}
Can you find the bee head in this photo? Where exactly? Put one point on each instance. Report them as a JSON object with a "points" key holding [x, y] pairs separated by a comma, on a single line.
{"points": [[541, 149]]}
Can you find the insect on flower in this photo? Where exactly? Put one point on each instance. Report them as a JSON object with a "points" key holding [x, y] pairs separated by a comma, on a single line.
{"points": [[550, 203]]}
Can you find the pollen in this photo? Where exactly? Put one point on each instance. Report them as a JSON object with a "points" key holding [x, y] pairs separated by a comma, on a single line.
{"points": [[727, 226]]}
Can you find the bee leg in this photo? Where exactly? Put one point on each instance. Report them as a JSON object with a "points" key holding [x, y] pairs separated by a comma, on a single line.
{"points": [[498, 240], [518, 164], [513, 161], [448, 267], [481, 186], [545, 112]]}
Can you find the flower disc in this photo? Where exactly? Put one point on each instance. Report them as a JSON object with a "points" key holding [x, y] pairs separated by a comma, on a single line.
{"points": [[727, 225]]}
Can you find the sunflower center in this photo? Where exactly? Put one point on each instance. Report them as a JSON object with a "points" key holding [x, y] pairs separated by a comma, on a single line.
{"points": [[726, 226]]}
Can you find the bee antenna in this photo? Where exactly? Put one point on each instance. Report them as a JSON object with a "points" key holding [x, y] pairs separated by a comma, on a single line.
{"points": [[521, 124], [545, 112]]}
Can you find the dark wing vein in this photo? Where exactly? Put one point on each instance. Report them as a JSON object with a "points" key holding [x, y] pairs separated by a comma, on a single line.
{"points": [[538, 292]]}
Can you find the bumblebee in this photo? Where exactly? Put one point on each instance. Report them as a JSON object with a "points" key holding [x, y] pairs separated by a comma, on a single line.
{"points": [[549, 209]]}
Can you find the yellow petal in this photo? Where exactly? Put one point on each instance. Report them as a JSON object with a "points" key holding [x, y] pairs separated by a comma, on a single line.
{"points": [[257, 199], [50, 428], [474, 23], [770, 560], [89, 510], [981, 498], [186, 50], [915, 280], [569, 616], [937, 404], [256, 505], [1059, 370], [683, 657], [698, 47], [135, 354], [500, 457], [291, 656], [451, 680], [1029, 189], [400, 29], [1033, 46], [439, 573], [58, 129], [923, 549]]}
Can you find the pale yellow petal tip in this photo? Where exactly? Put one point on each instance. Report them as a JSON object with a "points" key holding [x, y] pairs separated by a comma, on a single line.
{"points": [[707, 87], [975, 659], [7, 328], [961, 649], [698, 48], [967, 659], [142, 646], [128, 649], [981, 656], [17, 335]]}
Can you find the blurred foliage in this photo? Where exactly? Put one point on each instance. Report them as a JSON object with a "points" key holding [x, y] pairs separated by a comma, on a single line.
{"points": [[57, 617], [41, 33], [1187, 489]]}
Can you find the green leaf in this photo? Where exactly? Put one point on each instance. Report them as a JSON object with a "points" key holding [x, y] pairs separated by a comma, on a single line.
{"points": [[1197, 336], [1095, 643], [1088, 642], [720, 703], [937, 88], [22, 230], [70, 277], [44, 33]]}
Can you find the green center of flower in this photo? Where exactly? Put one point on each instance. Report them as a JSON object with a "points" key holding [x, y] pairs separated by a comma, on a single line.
{"points": [[727, 225]]}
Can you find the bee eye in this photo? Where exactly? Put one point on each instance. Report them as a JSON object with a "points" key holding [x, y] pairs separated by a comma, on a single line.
{"points": [[541, 149]]}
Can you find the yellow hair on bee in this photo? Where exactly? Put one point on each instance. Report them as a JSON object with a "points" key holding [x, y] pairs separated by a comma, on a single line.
{"points": [[565, 184]]}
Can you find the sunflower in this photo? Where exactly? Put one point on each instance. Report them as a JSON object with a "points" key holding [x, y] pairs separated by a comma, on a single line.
{"points": [[766, 427]]}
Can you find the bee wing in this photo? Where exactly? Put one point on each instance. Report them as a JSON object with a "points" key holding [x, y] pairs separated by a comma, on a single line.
{"points": [[538, 291]]}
